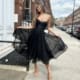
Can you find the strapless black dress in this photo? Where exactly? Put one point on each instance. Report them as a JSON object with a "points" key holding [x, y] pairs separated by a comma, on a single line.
{"points": [[43, 46]]}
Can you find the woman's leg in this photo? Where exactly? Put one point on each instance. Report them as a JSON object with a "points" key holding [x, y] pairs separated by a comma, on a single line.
{"points": [[36, 69], [48, 71]]}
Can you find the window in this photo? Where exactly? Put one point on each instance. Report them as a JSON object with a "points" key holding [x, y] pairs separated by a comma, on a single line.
{"points": [[27, 10]]}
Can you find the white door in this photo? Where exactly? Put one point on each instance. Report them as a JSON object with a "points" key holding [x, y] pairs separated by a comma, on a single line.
{"points": [[6, 19]]}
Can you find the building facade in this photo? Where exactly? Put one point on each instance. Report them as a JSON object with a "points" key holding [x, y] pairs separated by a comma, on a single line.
{"points": [[76, 19]]}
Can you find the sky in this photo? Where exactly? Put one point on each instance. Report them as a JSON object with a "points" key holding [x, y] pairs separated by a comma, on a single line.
{"points": [[62, 8]]}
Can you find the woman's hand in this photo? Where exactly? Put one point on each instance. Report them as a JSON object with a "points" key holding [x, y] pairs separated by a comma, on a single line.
{"points": [[50, 30]]}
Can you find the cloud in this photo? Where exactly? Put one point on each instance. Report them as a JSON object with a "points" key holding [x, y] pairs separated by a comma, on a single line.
{"points": [[77, 4], [62, 8]]}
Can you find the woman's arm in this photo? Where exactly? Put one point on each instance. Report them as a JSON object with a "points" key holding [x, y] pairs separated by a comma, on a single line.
{"points": [[49, 26], [50, 29]]}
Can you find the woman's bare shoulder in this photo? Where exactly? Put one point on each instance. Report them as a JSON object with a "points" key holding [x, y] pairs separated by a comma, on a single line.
{"points": [[48, 14]]}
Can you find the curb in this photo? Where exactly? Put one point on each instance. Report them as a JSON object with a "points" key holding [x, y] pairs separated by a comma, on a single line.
{"points": [[11, 67]]}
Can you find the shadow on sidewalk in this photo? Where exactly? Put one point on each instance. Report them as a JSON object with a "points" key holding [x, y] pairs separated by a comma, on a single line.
{"points": [[13, 59]]}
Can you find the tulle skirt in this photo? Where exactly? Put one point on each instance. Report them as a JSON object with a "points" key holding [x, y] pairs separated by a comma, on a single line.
{"points": [[36, 47]]}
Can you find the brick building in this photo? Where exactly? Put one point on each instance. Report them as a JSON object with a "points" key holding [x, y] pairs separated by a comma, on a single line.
{"points": [[76, 21]]}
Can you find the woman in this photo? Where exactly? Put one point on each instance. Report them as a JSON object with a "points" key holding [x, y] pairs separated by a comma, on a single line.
{"points": [[37, 47]]}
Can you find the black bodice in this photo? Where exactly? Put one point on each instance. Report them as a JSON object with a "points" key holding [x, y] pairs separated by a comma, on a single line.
{"points": [[40, 24]]}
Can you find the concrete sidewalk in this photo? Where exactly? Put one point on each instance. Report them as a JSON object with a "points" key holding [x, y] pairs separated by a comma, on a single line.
{"points": [[11, 75]]}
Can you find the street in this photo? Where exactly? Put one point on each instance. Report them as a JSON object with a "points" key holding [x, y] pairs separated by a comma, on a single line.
{"points": [[66, 67]]}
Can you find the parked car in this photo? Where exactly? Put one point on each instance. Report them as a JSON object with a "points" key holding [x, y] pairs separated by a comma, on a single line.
{"points": [[69, 29], [59, 27], [62, 27], [76, 31]]}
